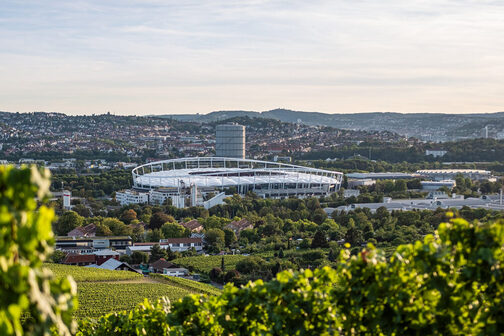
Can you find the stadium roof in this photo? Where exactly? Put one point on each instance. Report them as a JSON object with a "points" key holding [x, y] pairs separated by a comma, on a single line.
{"points": [[218, 172]]}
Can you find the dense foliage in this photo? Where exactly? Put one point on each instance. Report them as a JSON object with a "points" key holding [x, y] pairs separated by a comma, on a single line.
{"points": [[448, 284], [25, 242], [473, 150]]}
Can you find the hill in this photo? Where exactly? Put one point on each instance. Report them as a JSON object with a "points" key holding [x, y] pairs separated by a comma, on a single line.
{"points": [[102, 291], [427, 126]]}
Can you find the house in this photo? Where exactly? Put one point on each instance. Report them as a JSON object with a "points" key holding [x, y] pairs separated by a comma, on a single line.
{"points": [[174, 244], [239, 226], [104, 255], [79, 259], [193, 225], [116, 265], [158, 266], [83, 231], [64, 243], [175, 271]]}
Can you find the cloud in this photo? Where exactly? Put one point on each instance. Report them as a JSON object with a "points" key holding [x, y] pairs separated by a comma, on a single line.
{"points": [[336, 56]]}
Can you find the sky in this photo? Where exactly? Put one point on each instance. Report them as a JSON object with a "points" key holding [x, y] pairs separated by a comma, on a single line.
{"points": [[171, 57]]}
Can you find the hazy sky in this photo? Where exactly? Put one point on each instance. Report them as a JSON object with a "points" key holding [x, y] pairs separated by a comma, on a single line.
{"points": [[156, 57]]}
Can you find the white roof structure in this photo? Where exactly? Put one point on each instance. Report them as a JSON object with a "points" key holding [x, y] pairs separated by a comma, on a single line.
{"points": [[226, 172], [106, 252]]}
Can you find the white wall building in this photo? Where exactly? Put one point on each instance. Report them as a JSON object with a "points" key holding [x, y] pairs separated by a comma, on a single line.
{"points": [[67, 197], [436, 152], [132, 197]]}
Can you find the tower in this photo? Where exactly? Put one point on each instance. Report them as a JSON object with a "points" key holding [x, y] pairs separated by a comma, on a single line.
{"points": [[230, 141]]}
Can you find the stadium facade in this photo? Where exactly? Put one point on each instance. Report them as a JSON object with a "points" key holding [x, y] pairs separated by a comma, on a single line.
{"points": [[205, 181]]}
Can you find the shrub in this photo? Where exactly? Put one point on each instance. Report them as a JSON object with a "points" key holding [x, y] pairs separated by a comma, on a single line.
{"points": [[445, 285], [26, 239]]}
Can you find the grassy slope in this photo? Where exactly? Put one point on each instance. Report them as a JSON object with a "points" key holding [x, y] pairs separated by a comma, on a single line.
{"points": [[103, 291], [204, 264]]}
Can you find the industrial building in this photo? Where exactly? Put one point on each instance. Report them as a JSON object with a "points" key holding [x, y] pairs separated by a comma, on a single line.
{"points": [[426, 204], [381, 176], [204, 181], [451, 174], [230, 141], [436, 185]]}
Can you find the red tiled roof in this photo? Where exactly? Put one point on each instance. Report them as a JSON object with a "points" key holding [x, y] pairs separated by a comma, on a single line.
{"points": [[83, 231], [161, 263], [240, 225], [191, 225], [79, 258]]}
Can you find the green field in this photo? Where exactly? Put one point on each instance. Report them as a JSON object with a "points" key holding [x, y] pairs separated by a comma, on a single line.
{"points": [[99, 298], [204, 264], [191, 285], [84, 274], [102, 291]]}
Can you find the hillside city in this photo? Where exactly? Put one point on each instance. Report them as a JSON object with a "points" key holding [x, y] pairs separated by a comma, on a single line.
{"points": [[174, 207], [251, 168]]}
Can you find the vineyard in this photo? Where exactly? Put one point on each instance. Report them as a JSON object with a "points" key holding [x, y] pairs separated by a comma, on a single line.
{"points": [[103, 291], [191, 285], [84, 274], [204, 264], [99, 298]]}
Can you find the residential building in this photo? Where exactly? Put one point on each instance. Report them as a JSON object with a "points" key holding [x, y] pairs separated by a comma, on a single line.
{"points": [[239, 226], [174, 244], [132, 197], [104, 255], [436, 152], [193, 225], [175, 271], [79, 259], [93, 243]]}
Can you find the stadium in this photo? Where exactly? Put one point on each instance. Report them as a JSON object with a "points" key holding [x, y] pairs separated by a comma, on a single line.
{"points": [[199, 177]]}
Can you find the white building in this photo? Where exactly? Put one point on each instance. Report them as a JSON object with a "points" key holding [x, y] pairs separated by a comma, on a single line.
{"points": [[451, 174], [67, 197], [436, 152], [175, 271], [174, 244], [214, 175], [132, 197], [436, 185]]}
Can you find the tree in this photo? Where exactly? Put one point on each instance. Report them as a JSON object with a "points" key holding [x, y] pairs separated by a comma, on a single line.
{"points": [[67, 222], [26, 241], [117, 227], [400, 185], [216, 274], [229, 237], [319, 216], [215, 240], [232, 276], [82, 210], [57, 256], [154, 235], [319, 240], [156, 253], [103, 230], [125, 258], [138, 258], [128, 216], [174, 230], [158, 219], [281, 254], [354, 236]]}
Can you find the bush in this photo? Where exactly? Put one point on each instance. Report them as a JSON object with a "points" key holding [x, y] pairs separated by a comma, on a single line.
{"points": [[26, 239], [446, 285], [216, 275]]}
